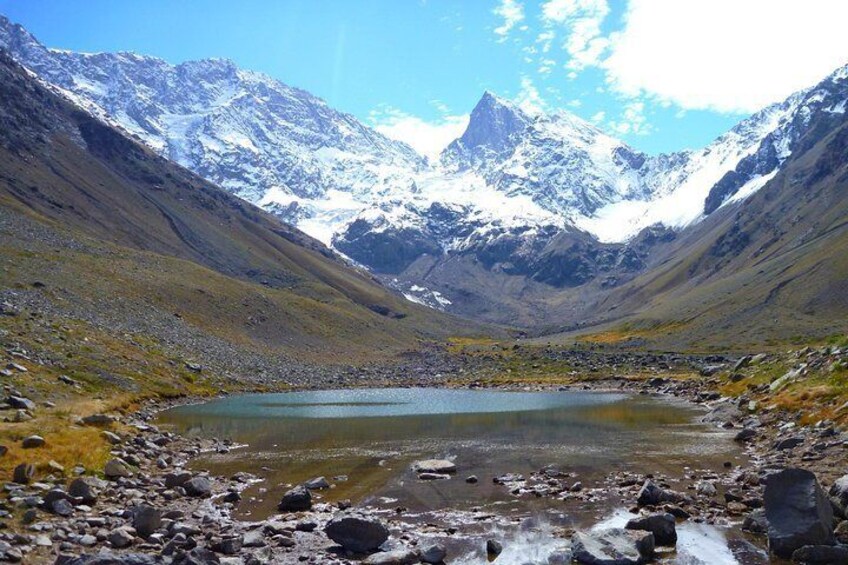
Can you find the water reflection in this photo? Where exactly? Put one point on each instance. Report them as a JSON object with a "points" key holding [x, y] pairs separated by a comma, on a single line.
{"points": [[373, 435]]}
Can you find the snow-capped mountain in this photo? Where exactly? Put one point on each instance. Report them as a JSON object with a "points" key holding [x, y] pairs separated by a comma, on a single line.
{"points": [[519, 191]]}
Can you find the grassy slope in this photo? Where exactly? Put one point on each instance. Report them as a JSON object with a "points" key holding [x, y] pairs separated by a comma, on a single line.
{"points": [[124, 267], [769, 271]]}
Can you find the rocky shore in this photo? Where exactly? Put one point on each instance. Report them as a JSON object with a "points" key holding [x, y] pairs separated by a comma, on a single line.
{"points": [[146, 505]]}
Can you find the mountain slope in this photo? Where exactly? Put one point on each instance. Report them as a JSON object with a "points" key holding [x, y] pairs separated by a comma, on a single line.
{"points": [[772, 268], [106, 217]]}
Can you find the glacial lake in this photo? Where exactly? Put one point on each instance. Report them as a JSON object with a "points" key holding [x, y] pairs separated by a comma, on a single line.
{"points": [[364, 441]]}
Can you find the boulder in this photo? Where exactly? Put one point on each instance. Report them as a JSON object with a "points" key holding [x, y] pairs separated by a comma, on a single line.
{"points": [[756, 522], [146, 519], [23, 473], [32, 442], [821, 555], [651, 495], [116, 469], [98, 420], [745, 434], [615, 546], [439, 466], [433, 553], [788, 443], [357, 533], [798, 512], [297, 499], [493, 548], [839, 494], [663, 526], [121, 538], [177, 479], [20, 403], [197, 556], [86, 489], [200, 487], [396, 557], [318, 483]]}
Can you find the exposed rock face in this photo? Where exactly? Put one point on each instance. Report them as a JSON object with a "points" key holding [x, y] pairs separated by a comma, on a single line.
{"points": [[356, 533], [798, 512]]}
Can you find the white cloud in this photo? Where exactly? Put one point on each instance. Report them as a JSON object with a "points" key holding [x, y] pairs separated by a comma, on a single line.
{"points": [[428, 138], [582, 21], [632, 121], [529, 99], [725, 55], [512, 12]]}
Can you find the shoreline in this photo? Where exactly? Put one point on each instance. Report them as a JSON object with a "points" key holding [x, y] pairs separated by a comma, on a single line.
{"points": [[298, 536]]}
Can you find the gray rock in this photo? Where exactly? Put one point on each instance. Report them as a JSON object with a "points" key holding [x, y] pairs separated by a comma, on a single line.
{"points": [[197, 556], [61, 507], [788, 443], [254, 538], [756, 522], [121, 538], [23, 473], [86, 488], [198, 487], [228, 546], [146, 520], [651, 495], [318, 483], [297, 499], [117, 468], [798, 512], [433, 553], [111, 437], [493, 548], [663, 526], [396, 557], [177, 479], [98, 420], [433, 476], [440, 466], [821, 555], [745, 434], [839, 494], [33, 442], [20, 403], [613, 547], [356, 533]]}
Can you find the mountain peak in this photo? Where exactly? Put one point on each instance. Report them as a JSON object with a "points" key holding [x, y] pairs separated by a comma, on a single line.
{"points": [[491, 129]]}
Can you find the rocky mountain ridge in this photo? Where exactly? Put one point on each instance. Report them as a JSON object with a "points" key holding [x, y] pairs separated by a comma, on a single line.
{"points": [[548, 198]]}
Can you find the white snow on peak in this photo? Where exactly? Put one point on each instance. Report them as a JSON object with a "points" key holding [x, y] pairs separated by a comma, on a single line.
{"points": [[512, 170]]}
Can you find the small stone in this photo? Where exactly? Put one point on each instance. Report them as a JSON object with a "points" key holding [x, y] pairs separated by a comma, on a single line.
{"points": [[117, 468], [146, 520], [434, 553], [32, 442], [23, 473], [493, 548], [199, 487], [298, 499], [440, 466], [121, 538]]}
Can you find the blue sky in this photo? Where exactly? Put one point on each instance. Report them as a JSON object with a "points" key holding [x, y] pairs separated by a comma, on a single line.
{"points": [[661, 74]]}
